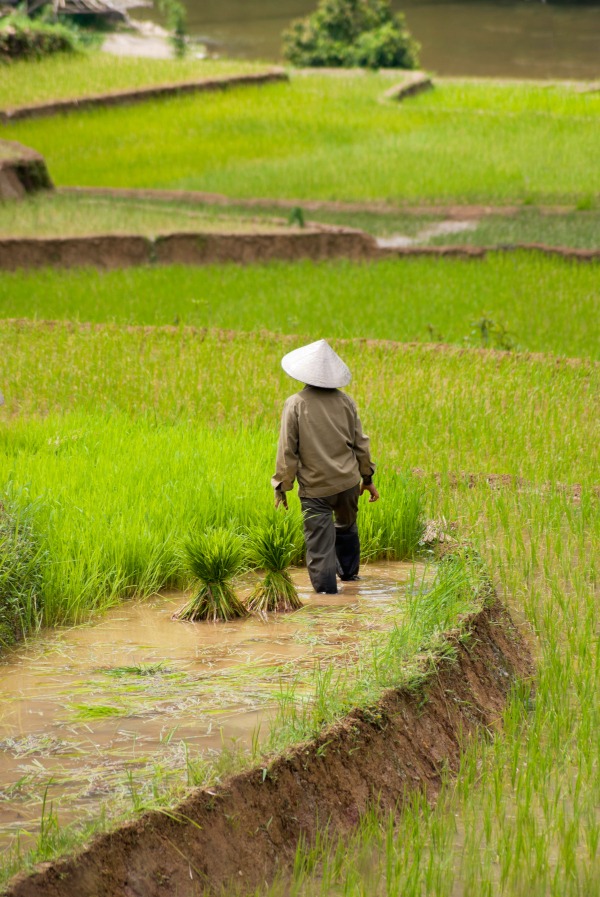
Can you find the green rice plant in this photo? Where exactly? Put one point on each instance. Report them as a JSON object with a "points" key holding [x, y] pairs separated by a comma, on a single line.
{"points": [[272, 546], [329, 138], [21, 578], [66, 76], [214, 558], [317, 300]]}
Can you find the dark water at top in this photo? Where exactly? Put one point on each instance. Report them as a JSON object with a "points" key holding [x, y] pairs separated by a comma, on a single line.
{"points": [[473, 37]]}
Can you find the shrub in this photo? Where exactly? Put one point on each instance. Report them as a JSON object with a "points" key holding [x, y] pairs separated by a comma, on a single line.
{"points": [[20, 576], [346, 33], [25, 38], [272, 546], [214, 558]]}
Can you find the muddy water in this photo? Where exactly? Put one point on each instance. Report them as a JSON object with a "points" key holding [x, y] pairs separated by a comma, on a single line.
{"points": [[118, 708], [528, 39]]}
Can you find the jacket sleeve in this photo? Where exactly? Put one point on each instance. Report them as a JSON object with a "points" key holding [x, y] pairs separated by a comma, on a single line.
{"points": [[362, 448], [286, 465]]}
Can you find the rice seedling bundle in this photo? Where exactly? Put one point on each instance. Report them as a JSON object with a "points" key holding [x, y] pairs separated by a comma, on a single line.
{"points": [[214, 558], [272, 546]]}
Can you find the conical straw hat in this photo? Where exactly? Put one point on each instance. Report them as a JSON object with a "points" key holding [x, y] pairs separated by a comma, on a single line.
{"points": [[317, 365]]}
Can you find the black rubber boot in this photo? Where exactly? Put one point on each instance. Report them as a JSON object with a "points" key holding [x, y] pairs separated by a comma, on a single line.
{"points": [[347, 549]]}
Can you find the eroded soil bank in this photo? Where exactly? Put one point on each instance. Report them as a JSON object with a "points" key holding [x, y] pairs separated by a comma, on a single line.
{"points": [[248, 829]]}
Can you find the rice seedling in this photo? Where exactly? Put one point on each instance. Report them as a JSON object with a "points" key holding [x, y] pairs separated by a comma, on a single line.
{"points": [[330, 138], [271, 546], [213, 558]]}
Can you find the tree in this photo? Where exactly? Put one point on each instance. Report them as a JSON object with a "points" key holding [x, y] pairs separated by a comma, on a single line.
{"points": [[347, 33]]}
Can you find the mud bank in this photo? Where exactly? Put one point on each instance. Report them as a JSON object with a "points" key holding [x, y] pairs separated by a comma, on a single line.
{"points": [[317, 242], [22, 171], [118, 251], [247, 830]]}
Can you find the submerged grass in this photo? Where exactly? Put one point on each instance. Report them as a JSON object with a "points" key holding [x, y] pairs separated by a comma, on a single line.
{"points": [[548, 304], [332, 138]]}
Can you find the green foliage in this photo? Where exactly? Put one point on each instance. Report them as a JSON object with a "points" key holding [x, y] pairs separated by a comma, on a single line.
{"points": [[176, 15], [21, 559], [272, 545], [214, 558], [351, 33], [25, 38]]}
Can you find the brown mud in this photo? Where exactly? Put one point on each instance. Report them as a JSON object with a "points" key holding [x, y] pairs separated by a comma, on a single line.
{"points": [[247, 830]]}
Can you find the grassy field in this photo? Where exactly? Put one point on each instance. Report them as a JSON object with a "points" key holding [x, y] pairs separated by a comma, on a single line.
{"points": [[65, 76], [331, 138], [66, 214], [99, 423], [547, 304]]}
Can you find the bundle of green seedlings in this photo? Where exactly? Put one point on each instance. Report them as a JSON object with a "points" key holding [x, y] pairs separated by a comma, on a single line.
{"points": [[272, 547], [214, 558]]}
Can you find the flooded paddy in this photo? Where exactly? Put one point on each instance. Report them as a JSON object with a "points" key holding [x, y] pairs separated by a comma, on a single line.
{"points": [[134, 703]]}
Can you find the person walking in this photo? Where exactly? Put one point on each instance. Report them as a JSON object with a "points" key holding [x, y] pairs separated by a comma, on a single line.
{"points": [[322, 445]]}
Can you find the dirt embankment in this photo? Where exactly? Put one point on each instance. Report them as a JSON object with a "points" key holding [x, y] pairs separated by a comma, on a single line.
{"points": [[22, 171], [248, 829], [316, 242]]}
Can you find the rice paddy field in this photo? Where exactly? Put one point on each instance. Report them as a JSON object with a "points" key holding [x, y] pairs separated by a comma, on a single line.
{"points": [[67, 76], [537, 303], [119, 438], [116, 440], [333, 138]]}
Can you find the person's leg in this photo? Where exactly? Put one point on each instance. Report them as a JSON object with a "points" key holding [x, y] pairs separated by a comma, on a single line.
{"points": [[347, 543], [319, 535]]}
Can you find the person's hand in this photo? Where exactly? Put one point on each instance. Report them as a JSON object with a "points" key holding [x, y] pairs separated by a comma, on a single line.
{"points": [[373, 493], [281, 499]]}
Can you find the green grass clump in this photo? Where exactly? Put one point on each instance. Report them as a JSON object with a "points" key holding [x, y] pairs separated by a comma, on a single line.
{"points": [[331, 138], [271, 546], [214, 558], [66, 77], [21, 578]]}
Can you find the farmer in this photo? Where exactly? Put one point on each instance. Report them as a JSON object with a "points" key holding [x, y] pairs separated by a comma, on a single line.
{"points": [[322, 445]]}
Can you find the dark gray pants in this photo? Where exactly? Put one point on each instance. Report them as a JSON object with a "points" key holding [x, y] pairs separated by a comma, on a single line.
{"points": [[331, 546]]}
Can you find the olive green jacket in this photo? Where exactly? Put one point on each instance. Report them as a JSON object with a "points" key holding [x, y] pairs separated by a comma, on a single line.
{"points": [[321, 444]]}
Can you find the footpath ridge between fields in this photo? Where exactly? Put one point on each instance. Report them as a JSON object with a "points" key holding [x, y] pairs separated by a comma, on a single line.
{"points": [[140, 94]]}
